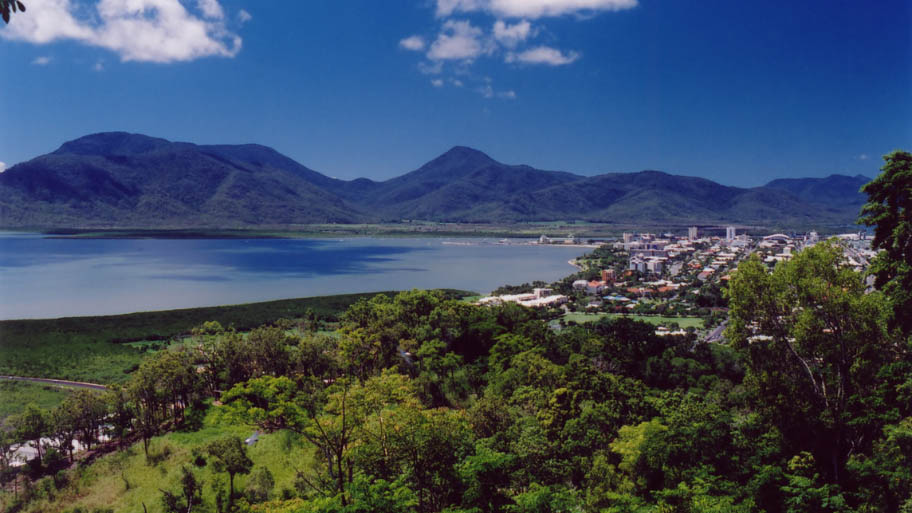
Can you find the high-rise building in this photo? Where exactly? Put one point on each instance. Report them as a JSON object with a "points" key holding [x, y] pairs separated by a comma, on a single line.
{"points": [[692, 233], [730, 233], [628, 237]]}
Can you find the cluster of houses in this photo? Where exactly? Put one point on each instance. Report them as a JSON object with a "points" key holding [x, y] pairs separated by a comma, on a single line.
{"points": [[669, 266], [649, 254]]}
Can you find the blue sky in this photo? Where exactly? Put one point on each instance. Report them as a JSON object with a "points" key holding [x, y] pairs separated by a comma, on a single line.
{"points": [[737, 92]]}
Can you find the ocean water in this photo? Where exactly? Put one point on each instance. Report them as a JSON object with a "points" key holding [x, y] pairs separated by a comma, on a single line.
{"points": [[43, 278]]}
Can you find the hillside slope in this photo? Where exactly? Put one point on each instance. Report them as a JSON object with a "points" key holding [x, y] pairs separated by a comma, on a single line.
{"points": [[832, 190], [127, 180], [119, 179]]}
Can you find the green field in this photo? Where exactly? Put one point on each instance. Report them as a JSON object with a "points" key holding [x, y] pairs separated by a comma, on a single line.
{"points": [[96, 350], [684, 322], [16, 394]]}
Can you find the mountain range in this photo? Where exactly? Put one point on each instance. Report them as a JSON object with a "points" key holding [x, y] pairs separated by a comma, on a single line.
{"points": [[121, 180]]}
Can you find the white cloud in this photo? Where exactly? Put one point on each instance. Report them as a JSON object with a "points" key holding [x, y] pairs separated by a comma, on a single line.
{"points": [[458, 40], [456, 82], [512, 35], [41, 61], [243, 16], [437, 82], [532, 8], [211, 9], [430, 68], [486, 90], [2, 166], [448, 7], [543, 55], [99, 66], [137, 30], [863, 156], [414, 43], [507, 95]]}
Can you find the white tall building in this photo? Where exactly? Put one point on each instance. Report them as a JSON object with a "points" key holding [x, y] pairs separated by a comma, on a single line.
{"points": [[628, 237], [730, 233], [692, 233]]}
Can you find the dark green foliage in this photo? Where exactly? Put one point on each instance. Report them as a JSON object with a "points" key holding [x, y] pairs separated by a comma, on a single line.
{"points": [[889, 210], [420, 403]]}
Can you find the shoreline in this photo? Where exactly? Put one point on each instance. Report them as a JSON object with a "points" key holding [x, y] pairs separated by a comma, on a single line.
{"points": [[216, 309]]}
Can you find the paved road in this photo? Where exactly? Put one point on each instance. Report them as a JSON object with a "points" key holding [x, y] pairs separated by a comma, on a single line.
{"points": [[716, 334], [56, 382]]}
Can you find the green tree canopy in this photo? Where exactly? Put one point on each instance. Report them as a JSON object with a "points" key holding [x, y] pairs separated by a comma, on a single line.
{"points": [[231, 457], [889, 210], [815, 342]]}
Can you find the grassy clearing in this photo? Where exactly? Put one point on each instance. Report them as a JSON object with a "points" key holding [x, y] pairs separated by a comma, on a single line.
{"points": [[16, 394], [124, 480], [684, 322], [95, 349]]}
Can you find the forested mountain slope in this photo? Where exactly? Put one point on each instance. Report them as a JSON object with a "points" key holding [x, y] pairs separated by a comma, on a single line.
{"points": [[133, 181]]}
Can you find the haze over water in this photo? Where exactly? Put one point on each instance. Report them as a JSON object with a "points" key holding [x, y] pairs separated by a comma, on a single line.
{"points": [[45, 278]]}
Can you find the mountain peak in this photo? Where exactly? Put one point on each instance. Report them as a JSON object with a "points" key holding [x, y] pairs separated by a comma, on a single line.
{"points": [[111, 143], [463, 149], [464, 152]]}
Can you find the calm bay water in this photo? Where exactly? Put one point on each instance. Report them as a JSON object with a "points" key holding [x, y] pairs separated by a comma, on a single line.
{"points": [[42, 277]]}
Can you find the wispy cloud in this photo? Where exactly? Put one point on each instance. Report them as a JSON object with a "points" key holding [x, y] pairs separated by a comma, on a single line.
{"points": [[511, 36], [413, 43], [99, 66], [41, 61], [243, 16], [211, 9], [136, 30], [2, 166], [531, 8], [430, 68], [437, 82], [543, 55], [458, 40], [863, 156], [487, 91]]}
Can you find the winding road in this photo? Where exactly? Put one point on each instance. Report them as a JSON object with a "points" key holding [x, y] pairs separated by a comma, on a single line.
{"points": [[56, 382]]}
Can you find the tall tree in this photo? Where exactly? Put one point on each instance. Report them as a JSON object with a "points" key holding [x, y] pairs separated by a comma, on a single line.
{"points": [[815, 342], [190, 494], [889, 210], [65, 425], [231, 457], [32, 425]]}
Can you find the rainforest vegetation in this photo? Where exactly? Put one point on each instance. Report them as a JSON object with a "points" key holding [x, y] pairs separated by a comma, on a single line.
{"points": [[422, 403]]}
